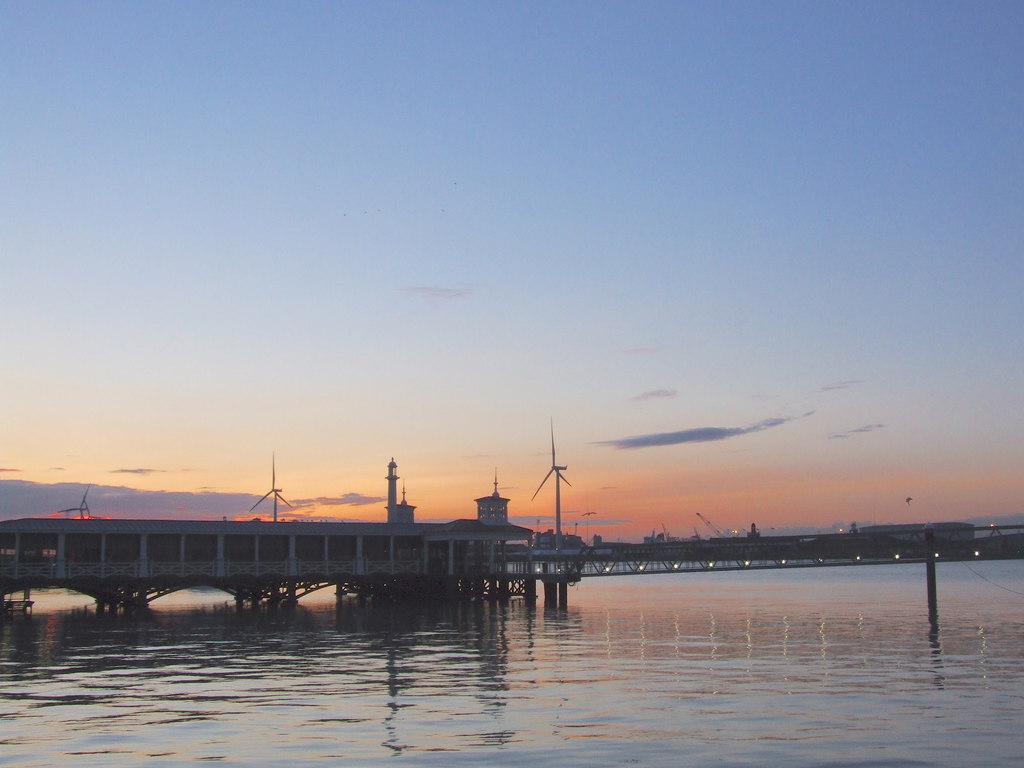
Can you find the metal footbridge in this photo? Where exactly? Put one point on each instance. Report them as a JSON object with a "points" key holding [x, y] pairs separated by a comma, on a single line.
{"points": [[891, 545]]}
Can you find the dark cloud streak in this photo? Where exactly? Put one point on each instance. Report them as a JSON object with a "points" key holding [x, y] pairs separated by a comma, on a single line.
{"points": [[840, 385], [858, 430], [655, 394], [437, 292], [351, 498], [697, 435]]}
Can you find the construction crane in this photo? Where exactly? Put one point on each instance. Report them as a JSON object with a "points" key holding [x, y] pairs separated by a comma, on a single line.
{"points": [[711, 525]]}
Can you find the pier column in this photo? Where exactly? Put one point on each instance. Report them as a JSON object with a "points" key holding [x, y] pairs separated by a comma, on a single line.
{"points": [[929, 566], [451, 557], [61, 554], [143, 556], [550, 594], [218, 568], [563, 594]]}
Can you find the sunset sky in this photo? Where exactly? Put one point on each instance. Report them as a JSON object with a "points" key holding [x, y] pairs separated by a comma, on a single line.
{"points": [[762, 261]]}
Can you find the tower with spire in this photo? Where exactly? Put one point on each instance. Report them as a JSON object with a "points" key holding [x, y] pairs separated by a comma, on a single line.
{"points": [[493, 509], [397, 512]]}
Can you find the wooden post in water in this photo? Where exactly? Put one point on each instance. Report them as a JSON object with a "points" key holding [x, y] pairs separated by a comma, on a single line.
{"points": [[929, 565]]}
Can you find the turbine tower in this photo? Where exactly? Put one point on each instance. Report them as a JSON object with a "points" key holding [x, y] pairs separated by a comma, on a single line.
{"points": [[82, 509], [557, 471], [274, 490]]}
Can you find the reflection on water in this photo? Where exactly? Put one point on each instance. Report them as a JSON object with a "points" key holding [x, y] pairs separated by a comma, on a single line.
{"points": [[830, 667]]}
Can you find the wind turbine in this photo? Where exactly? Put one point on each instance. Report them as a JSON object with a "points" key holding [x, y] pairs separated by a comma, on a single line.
{"points": [[82, 509], [274, 490], [557, 471]]}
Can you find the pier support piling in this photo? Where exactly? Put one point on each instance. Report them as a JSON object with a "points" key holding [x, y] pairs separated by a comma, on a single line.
{"points": [[929, 566]]}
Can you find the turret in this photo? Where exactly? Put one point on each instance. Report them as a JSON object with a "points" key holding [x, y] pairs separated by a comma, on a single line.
{"points": [[493, 509]]}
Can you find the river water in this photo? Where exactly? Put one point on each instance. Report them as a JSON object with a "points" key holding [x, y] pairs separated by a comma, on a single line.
{"points": [[810, 667]]}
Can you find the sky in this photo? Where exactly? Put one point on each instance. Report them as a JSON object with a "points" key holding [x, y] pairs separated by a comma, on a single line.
{"points": [[761, 261]]}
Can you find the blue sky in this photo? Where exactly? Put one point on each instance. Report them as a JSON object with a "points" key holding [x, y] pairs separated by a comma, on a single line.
{"points": [[342, 232]]}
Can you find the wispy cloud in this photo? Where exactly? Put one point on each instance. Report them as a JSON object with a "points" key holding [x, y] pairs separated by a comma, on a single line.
{"points": [[697, 435], [353, 499], [138, 471], [840, 385], [655, 394], [437, 292], [858, 430], [3, 469]]}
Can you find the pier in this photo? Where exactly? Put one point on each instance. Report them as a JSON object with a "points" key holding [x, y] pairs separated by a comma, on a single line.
{"points": [[126, 564], [881, 545]]}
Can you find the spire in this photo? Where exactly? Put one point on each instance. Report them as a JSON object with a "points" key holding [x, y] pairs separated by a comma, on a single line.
{"points": [[496, 495]]}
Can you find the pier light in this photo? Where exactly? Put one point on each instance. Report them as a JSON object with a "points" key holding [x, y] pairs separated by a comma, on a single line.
{"points": [[784, 561], [711, 565], [936, 555], [537, 568], [642, 566], [857, 558], [607, 569], [897, 556], [676, 566], [746, 562], [977, 553]]}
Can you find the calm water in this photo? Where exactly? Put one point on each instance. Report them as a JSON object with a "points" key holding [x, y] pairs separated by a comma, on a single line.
{"points": [[807, 668]]}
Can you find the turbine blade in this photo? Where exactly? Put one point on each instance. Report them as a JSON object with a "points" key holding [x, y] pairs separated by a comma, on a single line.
{"points": [[260, 501], [553, 462], [542, 483], [282, 498]]}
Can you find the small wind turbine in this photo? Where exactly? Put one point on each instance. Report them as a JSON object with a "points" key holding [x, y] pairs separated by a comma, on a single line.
{"points": [[557, 471], [82, 509], [274, 490]]}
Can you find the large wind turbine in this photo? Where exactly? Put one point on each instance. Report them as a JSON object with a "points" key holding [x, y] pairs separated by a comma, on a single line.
{"points": [[557, 471], [274, 490], [82, 509]]}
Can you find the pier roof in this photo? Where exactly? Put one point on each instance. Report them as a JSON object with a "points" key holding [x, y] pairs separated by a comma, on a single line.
{"points": [[458, 529]]}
